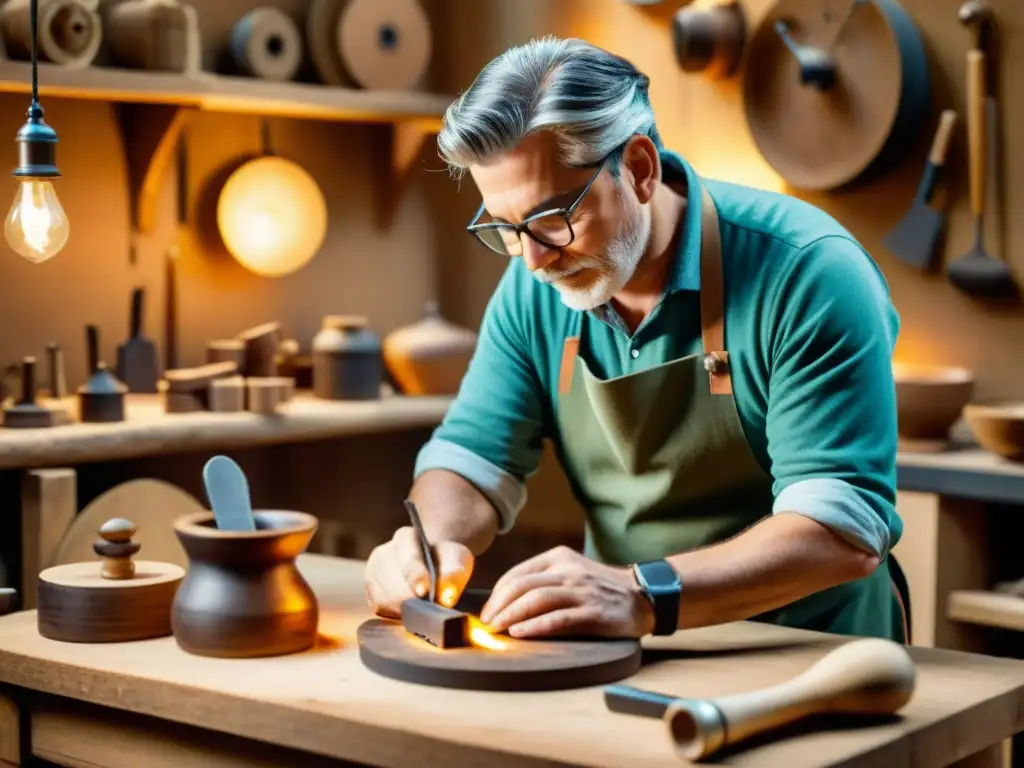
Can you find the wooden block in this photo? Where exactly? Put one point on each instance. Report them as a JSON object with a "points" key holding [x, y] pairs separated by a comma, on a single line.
{"points": [[435, 623], [49, 503], [226, 351], [267, 393], [261, 343], [227, 395], [198, 378]]}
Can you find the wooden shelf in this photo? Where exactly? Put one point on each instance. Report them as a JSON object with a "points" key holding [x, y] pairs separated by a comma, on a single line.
{"points": [[221, 93], [989, 609], [149, 431]]}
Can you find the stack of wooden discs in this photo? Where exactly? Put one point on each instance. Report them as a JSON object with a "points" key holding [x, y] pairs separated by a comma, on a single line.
{"points": [[116, 599]]}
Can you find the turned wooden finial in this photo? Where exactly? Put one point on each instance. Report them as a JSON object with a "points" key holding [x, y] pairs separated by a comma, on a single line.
{"points": [[116, 547]]}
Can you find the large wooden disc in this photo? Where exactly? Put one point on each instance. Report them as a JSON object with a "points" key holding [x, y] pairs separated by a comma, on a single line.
{"points": [[522, 665], [824, 139], [153, 505], [78, 605]]}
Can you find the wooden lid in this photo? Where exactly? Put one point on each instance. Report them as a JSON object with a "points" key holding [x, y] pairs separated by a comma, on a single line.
{"points": [[820, 139], [87, 575]]}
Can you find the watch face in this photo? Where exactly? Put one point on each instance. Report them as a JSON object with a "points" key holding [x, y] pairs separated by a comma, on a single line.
{"points": [[659, 576]]}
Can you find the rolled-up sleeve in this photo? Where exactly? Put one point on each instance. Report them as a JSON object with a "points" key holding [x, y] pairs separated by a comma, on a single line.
{"points": [[492, 433], [831, 420]]}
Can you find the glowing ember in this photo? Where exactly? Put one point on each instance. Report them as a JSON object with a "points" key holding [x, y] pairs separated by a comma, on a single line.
{"points": [[482, 638]]}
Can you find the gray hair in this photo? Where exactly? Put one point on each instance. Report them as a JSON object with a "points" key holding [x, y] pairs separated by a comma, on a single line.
{"points": [[592, 100]]}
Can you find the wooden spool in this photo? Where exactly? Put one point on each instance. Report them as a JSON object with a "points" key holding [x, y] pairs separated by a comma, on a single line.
{"points": [[378, 44], [388, 649], [266, 43], [114, 600], [821, 136], [70, 31], [155, 35], [261, 344], [226, 395], [710, 40], [226, 350]]}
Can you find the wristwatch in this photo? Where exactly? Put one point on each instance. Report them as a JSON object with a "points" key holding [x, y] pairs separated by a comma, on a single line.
{"points": [[661, 585]]}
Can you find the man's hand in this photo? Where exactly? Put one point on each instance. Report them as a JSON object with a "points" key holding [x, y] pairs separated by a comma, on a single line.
{"points": [[395, 572], [561, 592]]}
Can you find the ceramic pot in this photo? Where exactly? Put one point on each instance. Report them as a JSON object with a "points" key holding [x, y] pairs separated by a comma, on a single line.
{"points": [[431, 356], [347, 362], [243, 595]]}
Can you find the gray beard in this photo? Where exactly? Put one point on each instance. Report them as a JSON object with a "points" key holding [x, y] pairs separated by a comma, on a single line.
{"points": [[615, 268]]}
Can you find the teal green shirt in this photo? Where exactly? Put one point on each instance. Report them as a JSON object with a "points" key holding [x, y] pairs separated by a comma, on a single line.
{"points": [[809, 322]]}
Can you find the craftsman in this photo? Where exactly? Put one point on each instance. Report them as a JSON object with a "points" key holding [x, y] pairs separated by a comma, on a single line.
{"points": [[750, 477]]}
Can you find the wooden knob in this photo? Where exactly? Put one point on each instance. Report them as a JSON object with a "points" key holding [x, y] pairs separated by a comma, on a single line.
{"points": [[865, 677], [116, 547]]}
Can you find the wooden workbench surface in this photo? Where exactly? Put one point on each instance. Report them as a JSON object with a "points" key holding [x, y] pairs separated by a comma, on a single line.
{"points": [[147, 430], [326, 701]]}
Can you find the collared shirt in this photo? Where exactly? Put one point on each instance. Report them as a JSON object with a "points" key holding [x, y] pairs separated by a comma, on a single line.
{"points": [[814, 390]]}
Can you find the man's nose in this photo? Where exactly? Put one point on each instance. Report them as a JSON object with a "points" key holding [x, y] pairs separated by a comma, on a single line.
{"points": [[537, 256]]}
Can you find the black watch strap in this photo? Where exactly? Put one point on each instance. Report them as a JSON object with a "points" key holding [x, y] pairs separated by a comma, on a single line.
{"points": [[660, 582]]}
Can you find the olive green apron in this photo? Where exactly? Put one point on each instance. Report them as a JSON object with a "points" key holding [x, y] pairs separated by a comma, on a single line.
{"points": [[661, 465]]}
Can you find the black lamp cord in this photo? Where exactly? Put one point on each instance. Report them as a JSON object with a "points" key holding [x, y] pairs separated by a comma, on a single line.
{"points": [[35, 110]]}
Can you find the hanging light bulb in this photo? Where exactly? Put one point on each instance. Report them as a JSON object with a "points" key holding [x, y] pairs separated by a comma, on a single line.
{"points": [[36, 226]]}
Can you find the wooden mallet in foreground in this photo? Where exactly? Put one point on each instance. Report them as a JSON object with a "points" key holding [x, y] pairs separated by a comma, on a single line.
{"points": [[864, 677]]}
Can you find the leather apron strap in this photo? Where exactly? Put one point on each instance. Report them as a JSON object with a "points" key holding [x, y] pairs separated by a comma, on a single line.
{"points": [[712, 299]]}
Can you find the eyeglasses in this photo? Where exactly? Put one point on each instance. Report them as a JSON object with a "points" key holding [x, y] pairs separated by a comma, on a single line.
{"points": [[551, 228]]}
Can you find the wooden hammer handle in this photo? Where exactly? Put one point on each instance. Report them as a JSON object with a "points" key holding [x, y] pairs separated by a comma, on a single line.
{"points": [[940, 144], [976, 129]]}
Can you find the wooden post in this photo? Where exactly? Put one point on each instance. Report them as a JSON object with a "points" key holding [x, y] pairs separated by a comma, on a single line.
{"points": [[49, 502]]}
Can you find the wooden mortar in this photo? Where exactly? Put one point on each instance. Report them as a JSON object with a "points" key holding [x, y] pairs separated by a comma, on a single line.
{"points": [[243, 595]]}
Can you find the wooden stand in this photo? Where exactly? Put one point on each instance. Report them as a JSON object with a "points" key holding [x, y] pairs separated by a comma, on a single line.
{"points": [[389, 649], [116, 600]]}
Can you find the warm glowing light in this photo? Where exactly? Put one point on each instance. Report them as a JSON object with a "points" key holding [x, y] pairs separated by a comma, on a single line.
{"points": [[36, 226], [480, 636], [272, 216]]}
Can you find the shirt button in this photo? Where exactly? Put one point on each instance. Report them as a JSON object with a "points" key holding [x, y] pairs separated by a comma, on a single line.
{"points": [[635, 353]]}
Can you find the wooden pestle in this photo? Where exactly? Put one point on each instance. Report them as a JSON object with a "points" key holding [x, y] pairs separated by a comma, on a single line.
{"points": [[867, 677]]}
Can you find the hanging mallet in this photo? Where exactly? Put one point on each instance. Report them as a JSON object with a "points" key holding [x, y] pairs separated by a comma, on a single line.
{"points": [[862, 677]]}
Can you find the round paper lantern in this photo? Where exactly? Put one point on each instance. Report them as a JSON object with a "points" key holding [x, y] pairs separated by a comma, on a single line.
{"points": [[272, 216]]}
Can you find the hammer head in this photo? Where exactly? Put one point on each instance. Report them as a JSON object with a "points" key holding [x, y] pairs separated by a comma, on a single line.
{"points": [[974, 13]]}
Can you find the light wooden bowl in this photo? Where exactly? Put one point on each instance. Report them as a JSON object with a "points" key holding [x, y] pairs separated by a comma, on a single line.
{"points": [[929, 400], [998, 427]]}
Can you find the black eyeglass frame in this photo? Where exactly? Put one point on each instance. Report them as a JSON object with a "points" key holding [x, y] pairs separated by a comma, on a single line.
{"points": [[520, 229]]}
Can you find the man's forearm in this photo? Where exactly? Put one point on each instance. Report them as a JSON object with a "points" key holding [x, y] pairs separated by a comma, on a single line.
{"points": [[781, 559], [452, 509]]}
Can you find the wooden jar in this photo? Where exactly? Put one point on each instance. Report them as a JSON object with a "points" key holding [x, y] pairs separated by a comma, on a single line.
{"points": [[243, 595], [431, 356]]}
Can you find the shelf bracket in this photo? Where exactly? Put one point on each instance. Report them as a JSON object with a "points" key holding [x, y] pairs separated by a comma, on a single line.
{"points": [[406, 141], [149, 133]]}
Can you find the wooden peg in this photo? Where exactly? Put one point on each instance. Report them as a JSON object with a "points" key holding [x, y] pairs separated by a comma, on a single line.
{"points": [[116, 547], [863, 677]]}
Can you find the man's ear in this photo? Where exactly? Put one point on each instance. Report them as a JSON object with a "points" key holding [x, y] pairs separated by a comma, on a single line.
{"points": [[643, 164]]}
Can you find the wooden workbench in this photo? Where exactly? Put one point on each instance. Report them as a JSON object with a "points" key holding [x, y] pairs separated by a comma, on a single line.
{"points": [[150, 704]]}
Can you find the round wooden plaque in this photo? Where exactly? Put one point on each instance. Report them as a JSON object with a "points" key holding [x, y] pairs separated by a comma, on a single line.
{"points": [[522, 665], [77, 605], [821, 138]]}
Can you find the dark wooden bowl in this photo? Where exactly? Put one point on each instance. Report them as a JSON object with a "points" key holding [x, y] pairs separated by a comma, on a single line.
{"points": [[243, 595], [929, 400]]}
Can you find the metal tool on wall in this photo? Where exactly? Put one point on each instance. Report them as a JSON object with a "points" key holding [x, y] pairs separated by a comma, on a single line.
{"points": [[137, 364], [914, 238], [977, 272], [977, 17]]}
